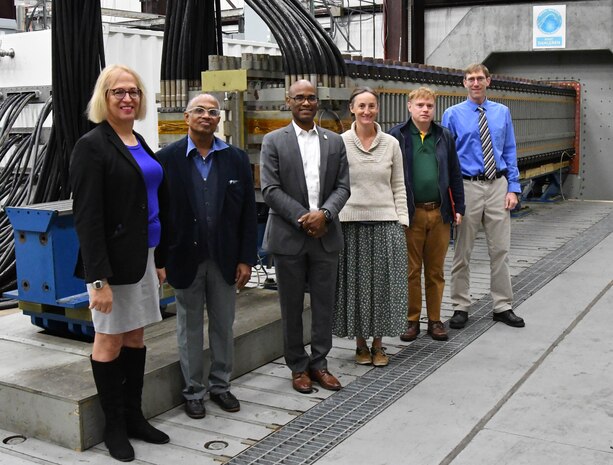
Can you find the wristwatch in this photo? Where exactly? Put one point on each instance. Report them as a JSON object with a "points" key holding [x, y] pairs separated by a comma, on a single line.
{"points": [[327, 214], [98, 284]]}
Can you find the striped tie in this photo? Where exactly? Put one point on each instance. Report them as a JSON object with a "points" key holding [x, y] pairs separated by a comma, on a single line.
{"points": [[489, 164]]}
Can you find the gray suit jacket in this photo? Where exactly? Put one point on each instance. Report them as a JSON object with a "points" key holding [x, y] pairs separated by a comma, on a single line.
{"points": [[284, 189]]}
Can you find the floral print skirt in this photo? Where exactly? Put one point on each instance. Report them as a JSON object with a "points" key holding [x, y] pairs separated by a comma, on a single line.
{"points": [[371, 291]]}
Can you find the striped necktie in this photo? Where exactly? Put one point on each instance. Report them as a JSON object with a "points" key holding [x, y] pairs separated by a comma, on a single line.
{"points": [[489, 164]]}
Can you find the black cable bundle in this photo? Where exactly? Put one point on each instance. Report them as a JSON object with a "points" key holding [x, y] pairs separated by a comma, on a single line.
{"points": [[77, 57], [306, 47], [21, 157], [192, 33]]}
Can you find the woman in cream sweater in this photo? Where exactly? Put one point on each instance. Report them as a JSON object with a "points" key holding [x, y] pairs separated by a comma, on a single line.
{"points": [[371, 296]]}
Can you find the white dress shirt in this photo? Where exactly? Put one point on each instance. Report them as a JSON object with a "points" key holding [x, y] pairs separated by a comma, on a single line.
{"points": [[308, 141]]}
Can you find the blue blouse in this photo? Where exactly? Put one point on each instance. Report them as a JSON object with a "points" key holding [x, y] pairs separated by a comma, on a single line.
{"points": [[153, 174]]}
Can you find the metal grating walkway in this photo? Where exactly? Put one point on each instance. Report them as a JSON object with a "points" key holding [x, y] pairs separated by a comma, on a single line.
{"points": [[313, 434]]}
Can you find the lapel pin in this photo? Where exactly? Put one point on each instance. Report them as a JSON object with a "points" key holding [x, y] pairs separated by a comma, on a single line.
{"points": [[326, 136]]}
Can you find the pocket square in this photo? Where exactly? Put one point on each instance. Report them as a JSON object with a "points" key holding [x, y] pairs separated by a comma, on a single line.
{"points": [[233, 181]]}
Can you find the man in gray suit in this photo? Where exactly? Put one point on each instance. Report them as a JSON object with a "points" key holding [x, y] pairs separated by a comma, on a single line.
{"points": [[305, 182]]}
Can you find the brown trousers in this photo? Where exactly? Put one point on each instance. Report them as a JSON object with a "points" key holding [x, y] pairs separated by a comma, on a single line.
{"points": [[427, 243]]}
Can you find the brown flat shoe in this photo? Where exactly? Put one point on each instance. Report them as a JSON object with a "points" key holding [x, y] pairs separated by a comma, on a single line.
{"points": [[362, 356], [379, 357], [325, 379], [301, 382]]}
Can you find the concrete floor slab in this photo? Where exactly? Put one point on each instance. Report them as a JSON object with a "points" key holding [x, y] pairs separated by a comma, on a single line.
{"points": [[493, 447], [439, 417], [568, 399]]}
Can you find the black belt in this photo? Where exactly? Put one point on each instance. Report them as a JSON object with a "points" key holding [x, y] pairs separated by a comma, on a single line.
{"points": [[481, 177], [428, 205]]}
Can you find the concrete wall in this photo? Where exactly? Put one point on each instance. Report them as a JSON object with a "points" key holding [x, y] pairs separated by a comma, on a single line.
{"points": [[480, 31], [501, 37]]}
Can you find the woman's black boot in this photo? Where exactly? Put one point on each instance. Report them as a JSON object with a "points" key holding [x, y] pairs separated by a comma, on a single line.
{"points": [[109, 382], [133, 362]]}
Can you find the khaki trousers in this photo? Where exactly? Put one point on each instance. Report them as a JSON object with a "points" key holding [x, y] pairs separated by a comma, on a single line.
{"points": [[427, 243], [484, 206]]}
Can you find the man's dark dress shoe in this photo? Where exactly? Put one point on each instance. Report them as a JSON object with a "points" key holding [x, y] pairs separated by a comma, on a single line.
{"points": [[226, 401], [325, 379], [437, 331], [195, 408], [509, 318], [458, 320], [411, 333]]}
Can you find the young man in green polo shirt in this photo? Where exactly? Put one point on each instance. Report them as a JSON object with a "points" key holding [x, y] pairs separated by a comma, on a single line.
{"points": [[432, 177]]}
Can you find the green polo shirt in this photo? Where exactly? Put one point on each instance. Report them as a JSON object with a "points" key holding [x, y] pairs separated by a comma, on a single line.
{"points": [[425, 167]]}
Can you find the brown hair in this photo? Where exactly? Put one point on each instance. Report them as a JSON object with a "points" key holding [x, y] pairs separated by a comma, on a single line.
{"points": [[361, 90], [475, 68]]}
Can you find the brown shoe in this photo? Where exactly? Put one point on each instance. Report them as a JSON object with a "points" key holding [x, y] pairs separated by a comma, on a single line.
{"points": [[437, 331], [411, 332], [301, 381], [362, 356], [379, 357], [325, 379]]}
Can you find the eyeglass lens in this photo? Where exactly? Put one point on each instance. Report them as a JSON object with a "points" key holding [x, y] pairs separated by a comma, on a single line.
{"points": [[121, 93], [302, 98], [214, 112]]}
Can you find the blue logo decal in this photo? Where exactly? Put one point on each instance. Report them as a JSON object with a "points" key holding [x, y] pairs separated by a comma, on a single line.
{"points": [[549, 21]]}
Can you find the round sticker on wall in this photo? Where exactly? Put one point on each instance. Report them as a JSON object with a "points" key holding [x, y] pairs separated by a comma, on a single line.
{"points": [[549, 21]]}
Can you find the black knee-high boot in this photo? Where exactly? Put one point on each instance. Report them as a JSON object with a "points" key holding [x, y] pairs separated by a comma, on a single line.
{"points": [[133, 362], [109, 382]]}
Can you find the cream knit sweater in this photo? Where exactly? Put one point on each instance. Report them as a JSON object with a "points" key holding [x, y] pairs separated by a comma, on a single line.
{"points": [[378, 192]]}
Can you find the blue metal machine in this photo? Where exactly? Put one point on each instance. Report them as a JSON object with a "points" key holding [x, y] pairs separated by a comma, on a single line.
{"points": [[46, 250]]}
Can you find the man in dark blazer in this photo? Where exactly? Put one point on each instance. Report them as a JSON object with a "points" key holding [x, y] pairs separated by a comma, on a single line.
{"points": [[212, 247], [305, 182]]}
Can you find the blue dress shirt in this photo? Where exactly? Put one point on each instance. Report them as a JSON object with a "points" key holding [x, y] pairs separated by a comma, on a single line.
{"points": [[463, 122], [203, 165]]}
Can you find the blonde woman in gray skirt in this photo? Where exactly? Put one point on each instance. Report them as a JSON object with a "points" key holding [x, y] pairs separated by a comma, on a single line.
{"points": [[119, 205], [371, 295]]}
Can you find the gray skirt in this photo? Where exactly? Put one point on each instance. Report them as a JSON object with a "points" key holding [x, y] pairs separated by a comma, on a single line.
{"points": [[372, 291], [134, 305]]}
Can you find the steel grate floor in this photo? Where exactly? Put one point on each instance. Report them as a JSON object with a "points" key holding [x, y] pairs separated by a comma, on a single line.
{"points": [[314, 433]]}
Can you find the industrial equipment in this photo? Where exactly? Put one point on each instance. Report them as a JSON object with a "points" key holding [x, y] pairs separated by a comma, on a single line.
{"points": [[252, 91], [46, 250]]}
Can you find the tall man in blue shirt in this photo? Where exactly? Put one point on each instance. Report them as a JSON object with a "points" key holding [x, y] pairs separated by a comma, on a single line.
{"points": [[490, 187], [212, 246]]}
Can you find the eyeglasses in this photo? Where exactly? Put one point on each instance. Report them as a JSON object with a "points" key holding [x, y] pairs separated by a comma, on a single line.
{"points": [[200, 111], [120, 94], [302, 98], [477, 79]]}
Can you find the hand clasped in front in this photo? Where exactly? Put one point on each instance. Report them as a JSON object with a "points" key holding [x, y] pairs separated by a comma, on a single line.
{"points": [[314, 224]]}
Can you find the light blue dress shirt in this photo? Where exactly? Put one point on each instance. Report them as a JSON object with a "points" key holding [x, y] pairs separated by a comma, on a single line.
{"points": [[463, 122], [204, 164]]}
